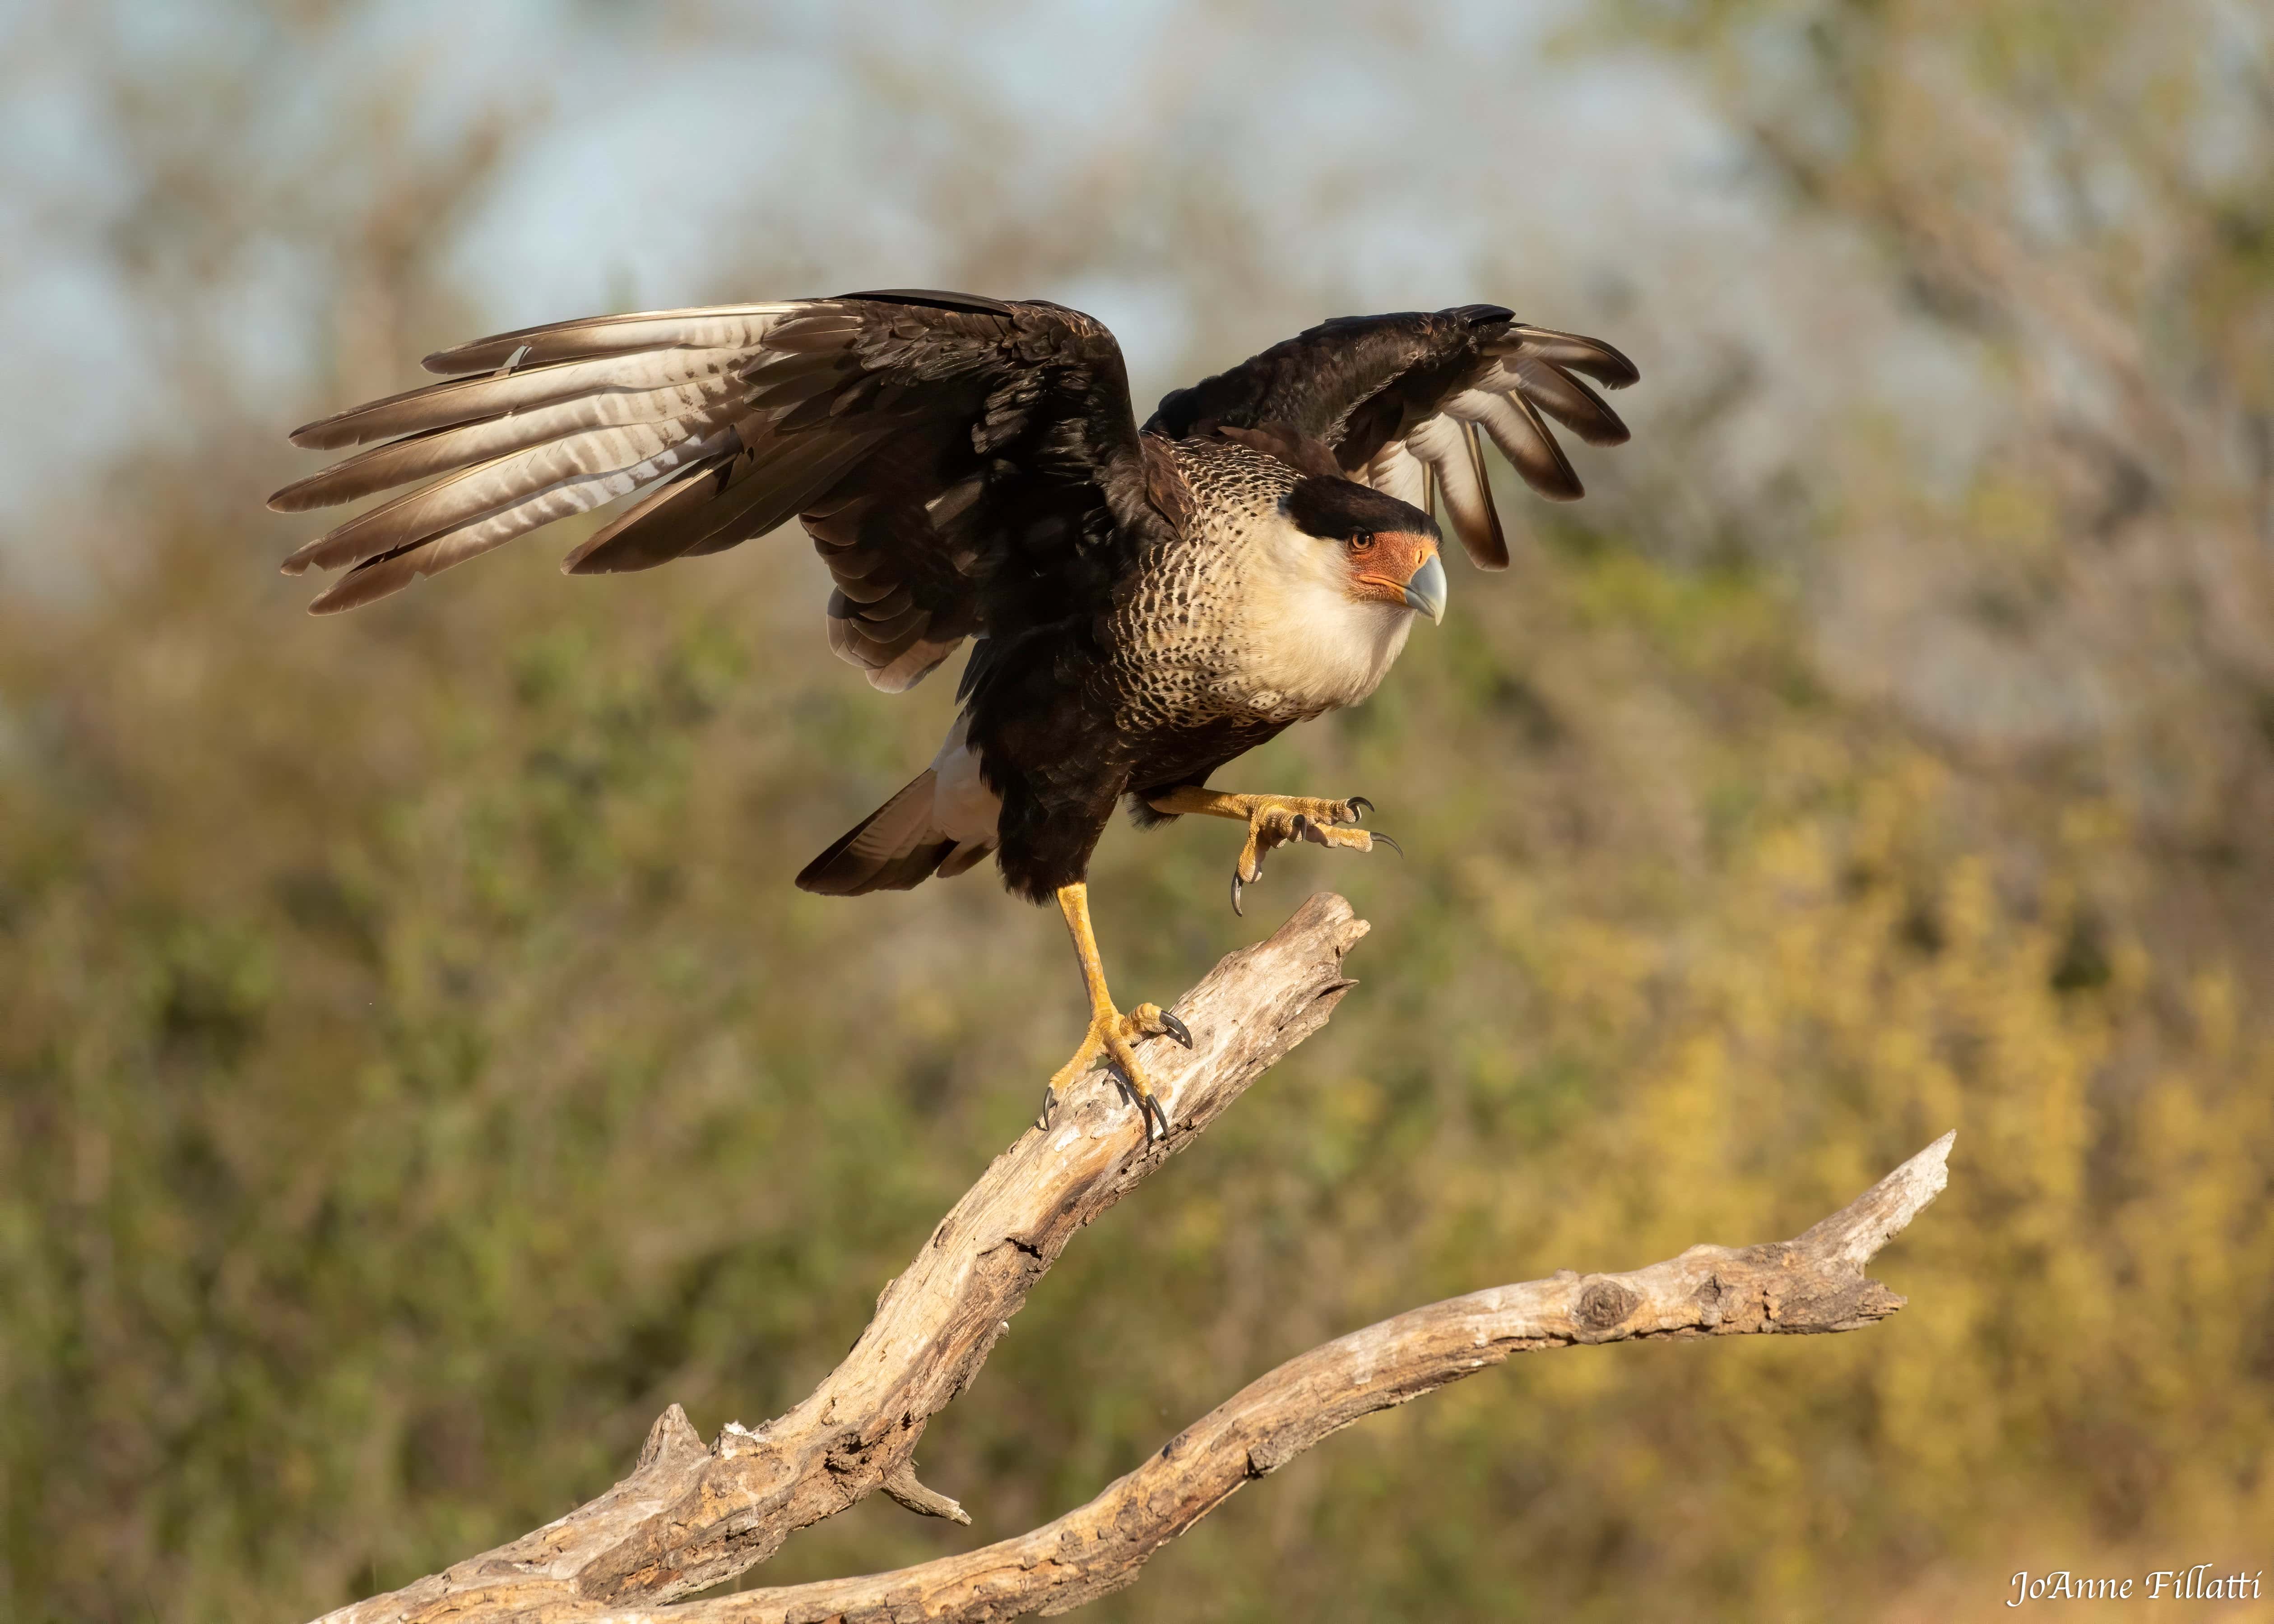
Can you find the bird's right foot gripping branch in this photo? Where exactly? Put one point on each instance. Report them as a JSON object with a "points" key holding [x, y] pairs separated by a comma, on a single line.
{"points": [[1110, 1032]]}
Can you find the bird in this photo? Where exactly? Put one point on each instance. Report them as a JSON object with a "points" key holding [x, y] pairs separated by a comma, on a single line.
{"points": [[1145, 603]]}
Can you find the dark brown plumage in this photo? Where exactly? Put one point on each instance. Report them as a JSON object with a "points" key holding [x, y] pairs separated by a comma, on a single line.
{"points": [[1148, 604]]}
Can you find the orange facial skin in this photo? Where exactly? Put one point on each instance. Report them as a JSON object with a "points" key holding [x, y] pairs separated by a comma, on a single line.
{"points": [[1396, 566]]}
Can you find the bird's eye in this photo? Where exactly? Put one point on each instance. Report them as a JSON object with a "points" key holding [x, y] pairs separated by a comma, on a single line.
{"points": [[1362, 541]]}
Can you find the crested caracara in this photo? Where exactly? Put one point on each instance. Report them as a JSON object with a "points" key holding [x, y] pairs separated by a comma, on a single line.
{"points": [[1146, 604]]}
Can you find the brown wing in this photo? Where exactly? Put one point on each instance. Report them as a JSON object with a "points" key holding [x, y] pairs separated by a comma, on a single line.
{"points": [[1406, 401], [963, 464]]}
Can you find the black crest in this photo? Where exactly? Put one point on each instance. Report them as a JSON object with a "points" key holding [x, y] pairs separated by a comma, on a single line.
{"points": [[1337, 510]]}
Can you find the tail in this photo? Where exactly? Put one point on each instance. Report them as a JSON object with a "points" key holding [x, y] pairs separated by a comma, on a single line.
{"points": [[896, 847]]}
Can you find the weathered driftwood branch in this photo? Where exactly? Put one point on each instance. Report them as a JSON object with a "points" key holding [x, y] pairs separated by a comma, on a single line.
{"points": [[1811, 1284], [688, 1517]]}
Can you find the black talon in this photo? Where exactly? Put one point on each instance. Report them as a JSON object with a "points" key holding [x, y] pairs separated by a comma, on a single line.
{"points": [[1177, 1029], [1391, 844], [1360, 805], [1049, 1104], [1146, 1107], [1236, 908]]}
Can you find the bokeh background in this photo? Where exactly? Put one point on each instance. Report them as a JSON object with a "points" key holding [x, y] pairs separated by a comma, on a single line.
{"points": [[417, 1070]]}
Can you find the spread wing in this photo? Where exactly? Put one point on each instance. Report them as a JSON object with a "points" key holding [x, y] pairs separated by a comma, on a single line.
{"points": [[964, 465], [1404, 402]]}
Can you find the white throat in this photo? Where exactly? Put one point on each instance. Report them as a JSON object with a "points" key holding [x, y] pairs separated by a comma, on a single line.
{"points": [[1307, 645]]}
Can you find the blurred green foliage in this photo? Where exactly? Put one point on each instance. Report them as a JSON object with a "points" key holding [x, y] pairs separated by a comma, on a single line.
{"points": [[417, 1069]]}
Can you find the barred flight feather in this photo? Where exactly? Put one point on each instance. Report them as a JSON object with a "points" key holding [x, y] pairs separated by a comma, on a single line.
{"points": [[722, 327], [469, 400]]}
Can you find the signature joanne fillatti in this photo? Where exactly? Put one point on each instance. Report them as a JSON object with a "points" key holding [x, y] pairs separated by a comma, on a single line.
{"points": [[2196, 1584]]}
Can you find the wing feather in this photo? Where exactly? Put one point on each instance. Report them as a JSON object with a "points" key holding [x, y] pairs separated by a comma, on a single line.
{"points": [[520, 491], [1522, 438], [1396, 471], [1574, 352], [963, 464], [1563, 397], [1399, 400], [762, 494], [436, 451], [470, 400], [723, 326], [1450, 449]]}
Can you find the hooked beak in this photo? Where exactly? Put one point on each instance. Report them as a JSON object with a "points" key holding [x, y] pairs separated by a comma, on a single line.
{"points": [[1425, 591]]}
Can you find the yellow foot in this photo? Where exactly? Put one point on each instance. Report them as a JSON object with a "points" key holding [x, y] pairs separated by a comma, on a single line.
{"points": [[1275, 821], [1112, 1032]]}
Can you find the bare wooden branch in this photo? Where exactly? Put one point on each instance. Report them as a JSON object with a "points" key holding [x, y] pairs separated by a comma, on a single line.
{"points": [[1815, 1283], [688, 1517]]}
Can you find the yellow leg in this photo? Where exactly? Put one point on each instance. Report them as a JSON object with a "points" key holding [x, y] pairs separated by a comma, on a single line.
{"points": [[1275, 820], [1111, 1031]]}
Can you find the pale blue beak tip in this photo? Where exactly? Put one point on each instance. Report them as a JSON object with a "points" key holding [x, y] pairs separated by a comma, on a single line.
{"points": [[1426, 592]]}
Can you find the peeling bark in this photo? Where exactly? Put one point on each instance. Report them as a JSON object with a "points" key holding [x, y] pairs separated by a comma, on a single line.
{"points": [[690, 1517]]}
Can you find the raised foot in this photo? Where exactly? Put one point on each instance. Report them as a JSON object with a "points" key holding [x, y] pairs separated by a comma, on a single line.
{"points": [[1116, 1035], [1275, 820]]}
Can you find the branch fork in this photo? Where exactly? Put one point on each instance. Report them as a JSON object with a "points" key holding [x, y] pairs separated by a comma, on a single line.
{"points": [[690, 1517]]}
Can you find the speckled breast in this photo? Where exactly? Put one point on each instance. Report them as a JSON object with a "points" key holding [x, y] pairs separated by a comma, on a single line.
{"points": [[1179, 660]]}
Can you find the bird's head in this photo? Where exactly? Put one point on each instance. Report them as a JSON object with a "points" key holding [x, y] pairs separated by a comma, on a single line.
{"points": [[1384, 551]]}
